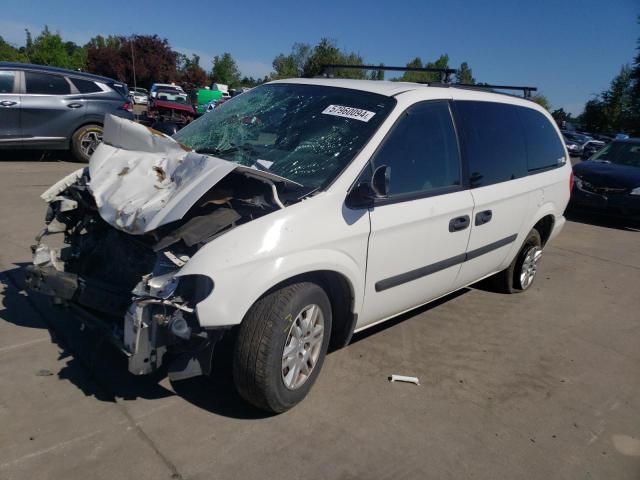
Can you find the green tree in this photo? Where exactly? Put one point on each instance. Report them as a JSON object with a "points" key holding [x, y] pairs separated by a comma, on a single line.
{"points": [[377, 74], [190, 74], [327, 52], [49, 49], [541, 100], [291, 65], [425, 77], [8, 53], [225, 70], [465, 75]]}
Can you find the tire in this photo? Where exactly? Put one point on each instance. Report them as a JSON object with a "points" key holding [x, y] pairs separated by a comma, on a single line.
{"points": [[84, 142], [274, 322], [512, 280]]}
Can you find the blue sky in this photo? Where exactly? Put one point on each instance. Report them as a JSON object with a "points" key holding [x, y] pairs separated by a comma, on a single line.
{"points": [[569, 49]]}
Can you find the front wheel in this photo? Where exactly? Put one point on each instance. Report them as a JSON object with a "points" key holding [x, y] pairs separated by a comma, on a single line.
{"points": [[84, 142], [281, 346], [519, 276]]}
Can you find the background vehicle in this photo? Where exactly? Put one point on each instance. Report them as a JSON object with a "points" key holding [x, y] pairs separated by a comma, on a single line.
{"points": [[306, 210], [610, 181], [169, 110], [201, 97], [572, 146], [139, 95], [590, 147], [55, 109], [166, 87]]}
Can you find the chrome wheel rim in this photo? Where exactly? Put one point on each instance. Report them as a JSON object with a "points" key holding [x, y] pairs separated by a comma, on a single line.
{"points": [[530, 267], [89, 142], [302, 347]]}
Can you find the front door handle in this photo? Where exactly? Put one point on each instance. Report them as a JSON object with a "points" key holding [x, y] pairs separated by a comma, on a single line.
{"points": [[459, 223], [74, 105], [7, 103], [484, 217]]}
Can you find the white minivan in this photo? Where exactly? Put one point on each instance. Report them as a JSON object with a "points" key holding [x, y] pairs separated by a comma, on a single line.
{"points": [[295, 215]]}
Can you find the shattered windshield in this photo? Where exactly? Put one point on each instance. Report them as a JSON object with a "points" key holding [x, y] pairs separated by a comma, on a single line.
{"points": [[305, 133]]}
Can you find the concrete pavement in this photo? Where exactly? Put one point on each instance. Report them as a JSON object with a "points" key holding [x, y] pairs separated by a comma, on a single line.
{"points": [[535, 386]]}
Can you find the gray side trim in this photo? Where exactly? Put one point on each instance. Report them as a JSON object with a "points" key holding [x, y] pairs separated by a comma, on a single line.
{"points": [[441, 265]]}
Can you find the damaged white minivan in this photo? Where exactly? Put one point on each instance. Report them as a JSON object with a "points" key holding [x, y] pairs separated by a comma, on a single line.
{"points": [[294, 215]]}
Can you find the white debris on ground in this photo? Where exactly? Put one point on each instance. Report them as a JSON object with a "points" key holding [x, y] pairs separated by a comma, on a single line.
{"points": [[403, 378]]}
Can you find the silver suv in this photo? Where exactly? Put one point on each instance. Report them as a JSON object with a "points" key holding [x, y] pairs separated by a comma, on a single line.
{"points": [[47, 108]]}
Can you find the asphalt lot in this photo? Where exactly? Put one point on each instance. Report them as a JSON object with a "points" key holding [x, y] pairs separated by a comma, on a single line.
{"points": [[543, 385]]}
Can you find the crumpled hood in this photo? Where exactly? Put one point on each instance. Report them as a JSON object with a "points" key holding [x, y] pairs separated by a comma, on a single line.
{"points": [[142, 179], [612, 175]]}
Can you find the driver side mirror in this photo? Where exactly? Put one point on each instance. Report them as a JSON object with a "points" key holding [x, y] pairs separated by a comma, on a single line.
{"points": [[363, 194]]}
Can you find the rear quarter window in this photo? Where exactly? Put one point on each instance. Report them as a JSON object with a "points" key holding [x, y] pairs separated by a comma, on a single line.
{"points": [[544, 147], [493, 142], [85, 86], [7, 78]]}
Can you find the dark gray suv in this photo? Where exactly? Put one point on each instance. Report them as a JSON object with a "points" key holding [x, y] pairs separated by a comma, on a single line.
{"points": [[47, 108]]}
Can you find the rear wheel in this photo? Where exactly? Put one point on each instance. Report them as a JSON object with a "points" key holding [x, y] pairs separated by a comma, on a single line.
{"points": [[281, 346], [84, 142], [519, 276]]}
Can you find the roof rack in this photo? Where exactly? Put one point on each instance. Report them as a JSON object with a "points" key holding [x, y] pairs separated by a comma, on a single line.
{"points": [[445, 77], [526, 91], [445, 73]]}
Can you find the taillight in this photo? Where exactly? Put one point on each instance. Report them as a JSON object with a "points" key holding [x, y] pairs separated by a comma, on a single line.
{"points": [[126, 106], [571, 182]]}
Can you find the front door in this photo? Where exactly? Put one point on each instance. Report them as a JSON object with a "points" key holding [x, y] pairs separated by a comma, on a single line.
{"points": [[419, 234]]}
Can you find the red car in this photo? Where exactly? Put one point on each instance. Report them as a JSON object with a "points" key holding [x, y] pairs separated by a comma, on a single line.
{"points": [[169, 110]]}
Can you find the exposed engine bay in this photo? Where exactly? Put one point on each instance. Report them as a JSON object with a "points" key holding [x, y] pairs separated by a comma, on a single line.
{"points": [[113, 246]]}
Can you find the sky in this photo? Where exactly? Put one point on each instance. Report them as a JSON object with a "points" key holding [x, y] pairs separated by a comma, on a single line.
{"points": [[569, 49]]}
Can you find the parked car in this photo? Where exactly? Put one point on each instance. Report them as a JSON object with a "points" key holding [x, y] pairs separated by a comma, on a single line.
{"points": [[164, 86], [47, 108], [590, 147], [201, 98], [169, 111], [139, 95], [610, 181], [573, 147], [296, 214]]}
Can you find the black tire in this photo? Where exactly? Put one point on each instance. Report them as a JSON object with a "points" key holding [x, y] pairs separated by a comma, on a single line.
{"points": [[508, 280], [78, 150], [258, 353]]}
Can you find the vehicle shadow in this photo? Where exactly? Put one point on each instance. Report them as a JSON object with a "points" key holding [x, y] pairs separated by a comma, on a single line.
{"points": [[601, 220], [19, 155], [95, 367], [358, 337]]}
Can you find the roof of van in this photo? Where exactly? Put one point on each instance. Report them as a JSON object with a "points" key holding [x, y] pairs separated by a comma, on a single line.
{"points": [[64, 71], [390, 89]]}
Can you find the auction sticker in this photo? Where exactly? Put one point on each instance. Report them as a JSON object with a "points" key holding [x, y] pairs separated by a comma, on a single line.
{"points": [[349, 112]]}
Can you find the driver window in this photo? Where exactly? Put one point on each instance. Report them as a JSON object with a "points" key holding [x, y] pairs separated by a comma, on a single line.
{"points": [[421, 151]]}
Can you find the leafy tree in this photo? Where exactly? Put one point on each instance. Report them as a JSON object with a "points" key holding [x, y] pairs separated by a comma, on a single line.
{"points": [[425, 77], [465, 75], [113, 56], [49, 49], [377, 74], [291, 65], [225, 70], [8, 53], [327, 52], [541, 100], [190, 74], [594, 118]]}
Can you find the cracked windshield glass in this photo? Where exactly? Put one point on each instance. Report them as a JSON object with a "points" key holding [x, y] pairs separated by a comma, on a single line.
{"points": [[305, 133]]}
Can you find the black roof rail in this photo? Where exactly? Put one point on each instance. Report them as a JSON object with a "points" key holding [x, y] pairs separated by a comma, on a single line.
{"points": [[526, 91], [445, 73], [445, 77]]}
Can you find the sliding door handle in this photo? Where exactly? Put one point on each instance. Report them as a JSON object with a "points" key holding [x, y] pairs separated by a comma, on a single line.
{"points": [[484, 217], [459, 223]]}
